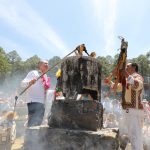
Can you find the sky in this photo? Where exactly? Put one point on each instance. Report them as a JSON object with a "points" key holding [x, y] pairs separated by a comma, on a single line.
{"points": [[50, 28]]}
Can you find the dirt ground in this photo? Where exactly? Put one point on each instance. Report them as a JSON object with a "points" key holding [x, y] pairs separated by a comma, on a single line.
{"points": [[18, 145]]}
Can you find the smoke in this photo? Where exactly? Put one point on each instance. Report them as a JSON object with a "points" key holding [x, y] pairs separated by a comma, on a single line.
{"points": [[113, 117], [146, 124], [112, 113], [48, 105], [11, 88]]}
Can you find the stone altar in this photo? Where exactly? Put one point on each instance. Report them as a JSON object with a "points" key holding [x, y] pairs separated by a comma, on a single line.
{"points": [[79, 75], [75, 124]]}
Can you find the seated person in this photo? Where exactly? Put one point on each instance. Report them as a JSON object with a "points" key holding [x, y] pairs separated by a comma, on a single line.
{"points": [[85, 96], [7, 121]]}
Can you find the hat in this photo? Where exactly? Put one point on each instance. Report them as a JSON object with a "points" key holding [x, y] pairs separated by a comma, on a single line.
{"points": [[10, 115]]}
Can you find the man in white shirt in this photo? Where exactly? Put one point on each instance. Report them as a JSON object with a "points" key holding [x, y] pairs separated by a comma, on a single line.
{"points": [[36, 94]]}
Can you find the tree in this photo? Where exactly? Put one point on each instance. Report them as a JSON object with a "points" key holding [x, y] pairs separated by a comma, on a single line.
{"points": [[144, 64], [106, 66], [148, 55], [110, 59], [2, 52], [15, 61], [4, 65], [13, 57], [53, 61], [31, 63]]}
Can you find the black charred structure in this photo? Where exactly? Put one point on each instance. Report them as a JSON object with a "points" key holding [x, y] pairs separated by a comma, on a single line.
{"points": [[79, 75]]}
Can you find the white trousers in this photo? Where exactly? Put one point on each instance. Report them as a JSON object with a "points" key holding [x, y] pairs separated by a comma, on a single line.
{"points": [[133, 121]]}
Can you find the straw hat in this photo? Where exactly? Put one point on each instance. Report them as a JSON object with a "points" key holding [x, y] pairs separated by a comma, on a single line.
{"points": [[10, 115]]}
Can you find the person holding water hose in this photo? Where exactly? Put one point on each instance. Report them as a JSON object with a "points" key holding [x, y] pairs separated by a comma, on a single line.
{"points": [[36, 94], [35, 85]]}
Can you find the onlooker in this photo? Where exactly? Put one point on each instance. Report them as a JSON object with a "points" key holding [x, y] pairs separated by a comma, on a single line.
{"points": [[86, 96], [8, 130]]}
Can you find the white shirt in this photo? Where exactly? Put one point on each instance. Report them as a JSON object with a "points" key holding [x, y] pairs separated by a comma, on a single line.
{"points": [[36, 92]]}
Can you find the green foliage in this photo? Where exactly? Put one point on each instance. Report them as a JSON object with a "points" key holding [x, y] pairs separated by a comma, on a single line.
{"points": [[4, 66], [2, 52], [52, 62], [106, 65], [31, 63], [143, 62], [15, 62], [11, 64], [148, 55], [13, 57]]}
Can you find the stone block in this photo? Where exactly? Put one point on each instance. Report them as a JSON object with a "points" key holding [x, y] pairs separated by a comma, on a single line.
{"points": [[86, 115], [81, 74], [43, 138]]}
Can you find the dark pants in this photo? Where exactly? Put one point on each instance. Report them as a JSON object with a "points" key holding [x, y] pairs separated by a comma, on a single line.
{"points": [[35, 113]]}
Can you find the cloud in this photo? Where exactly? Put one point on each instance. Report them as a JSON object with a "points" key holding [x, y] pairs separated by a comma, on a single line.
{"points": [[98, 9], [109, 25], [25, 20], [105, 13]]}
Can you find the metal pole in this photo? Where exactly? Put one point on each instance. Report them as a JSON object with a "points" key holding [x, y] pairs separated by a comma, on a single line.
{"points": [[16, 97]]}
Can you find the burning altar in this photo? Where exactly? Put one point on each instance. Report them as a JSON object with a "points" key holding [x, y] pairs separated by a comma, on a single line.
{"points": [[79, 76], [75, 123]]}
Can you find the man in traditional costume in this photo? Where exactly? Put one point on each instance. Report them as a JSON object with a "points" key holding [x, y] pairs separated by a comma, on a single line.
{"points": [[132, 106]]}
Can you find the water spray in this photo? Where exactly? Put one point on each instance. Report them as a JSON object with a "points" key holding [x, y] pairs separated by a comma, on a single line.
{"points": [[80, 47]]}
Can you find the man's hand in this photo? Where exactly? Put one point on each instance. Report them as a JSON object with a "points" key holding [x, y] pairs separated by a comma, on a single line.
{"points": [[32, 81]]}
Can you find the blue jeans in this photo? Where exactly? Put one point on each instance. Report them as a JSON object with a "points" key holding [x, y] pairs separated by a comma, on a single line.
{"points": [[35, 113]]}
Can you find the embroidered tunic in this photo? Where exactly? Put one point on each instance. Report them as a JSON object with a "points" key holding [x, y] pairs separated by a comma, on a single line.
{"points": [[133, 92]]}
